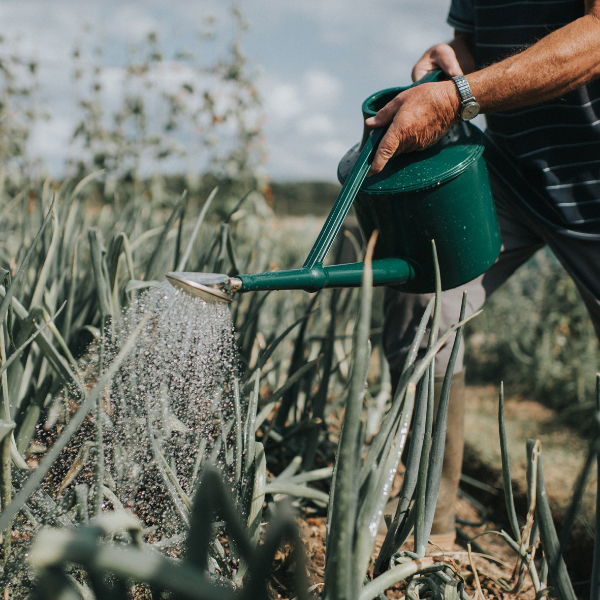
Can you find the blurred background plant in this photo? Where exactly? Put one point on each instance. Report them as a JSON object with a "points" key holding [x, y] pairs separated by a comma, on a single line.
{"points": [[555, 355], [19, 110], [161, 120]]}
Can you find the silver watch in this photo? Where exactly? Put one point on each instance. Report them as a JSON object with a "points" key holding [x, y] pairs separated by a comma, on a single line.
{"points": [[469, 107]]}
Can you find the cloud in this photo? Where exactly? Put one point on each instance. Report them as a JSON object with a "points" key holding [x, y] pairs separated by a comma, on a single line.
{"points": [[316, 124], [302, 124], [283, 102], [321, 88], [304, 107], [340, 51], [50, 139], [131, 22], [313, 90]]}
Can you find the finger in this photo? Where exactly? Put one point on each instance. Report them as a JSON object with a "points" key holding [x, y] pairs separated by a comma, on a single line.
{"points": [[445, 58], [386, 149], [422, 67], [384, 115]]}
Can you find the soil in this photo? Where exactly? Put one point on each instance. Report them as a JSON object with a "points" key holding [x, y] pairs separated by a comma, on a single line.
{"points": [[563, 451], [481, 511], [493, 560]]}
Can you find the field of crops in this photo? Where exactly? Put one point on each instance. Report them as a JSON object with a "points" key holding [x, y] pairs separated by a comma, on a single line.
{"points": [[153, 446], [314, 421]]}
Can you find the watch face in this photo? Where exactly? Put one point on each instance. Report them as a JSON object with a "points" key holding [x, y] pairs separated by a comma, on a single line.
{"points": [[469, 110]]}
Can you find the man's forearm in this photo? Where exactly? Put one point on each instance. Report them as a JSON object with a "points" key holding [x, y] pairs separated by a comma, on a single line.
{"points": [[558, 63]]}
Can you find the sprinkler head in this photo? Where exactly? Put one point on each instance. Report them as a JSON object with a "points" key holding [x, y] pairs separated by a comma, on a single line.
{"points": [[211, 287]]}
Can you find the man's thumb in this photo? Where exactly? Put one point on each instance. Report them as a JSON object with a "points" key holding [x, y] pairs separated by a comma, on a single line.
{"points": [[420, 70]]}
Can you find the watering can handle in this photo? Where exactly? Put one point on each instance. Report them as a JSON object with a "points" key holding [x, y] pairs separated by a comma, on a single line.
{"points": [[353, 182], [430, 77], [344, 201]]}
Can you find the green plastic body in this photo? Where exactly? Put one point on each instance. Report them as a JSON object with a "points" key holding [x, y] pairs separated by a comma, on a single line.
{"points": [[441, 194], [458, 214]]}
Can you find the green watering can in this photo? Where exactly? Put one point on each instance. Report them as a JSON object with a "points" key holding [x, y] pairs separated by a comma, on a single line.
{"points": [[441, 193]]}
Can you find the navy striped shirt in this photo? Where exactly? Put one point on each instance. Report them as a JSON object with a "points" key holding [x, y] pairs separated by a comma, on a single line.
{"points": [[549, 154]]}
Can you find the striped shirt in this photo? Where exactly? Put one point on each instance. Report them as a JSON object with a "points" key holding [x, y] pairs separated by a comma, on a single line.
{"points": [[549, 154]]}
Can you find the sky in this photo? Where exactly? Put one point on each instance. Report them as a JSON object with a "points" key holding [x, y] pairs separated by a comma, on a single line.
{"points": [[315, 62]]}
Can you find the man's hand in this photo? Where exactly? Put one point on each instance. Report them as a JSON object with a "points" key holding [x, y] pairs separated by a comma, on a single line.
{"points": [[419, 116], [557, 63], [440, 56]]}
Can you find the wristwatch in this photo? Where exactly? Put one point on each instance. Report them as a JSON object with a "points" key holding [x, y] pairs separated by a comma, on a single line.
{"points": [[469, 107]]}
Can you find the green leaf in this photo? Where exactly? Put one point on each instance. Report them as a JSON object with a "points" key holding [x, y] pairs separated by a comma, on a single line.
{"points": [[5, 428]]}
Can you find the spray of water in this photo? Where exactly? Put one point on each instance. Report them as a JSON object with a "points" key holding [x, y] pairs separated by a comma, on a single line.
{"points": [[170, 409], [171, 406]]}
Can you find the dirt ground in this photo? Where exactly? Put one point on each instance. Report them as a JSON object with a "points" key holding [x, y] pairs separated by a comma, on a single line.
{"points": [[490, 567], [491, 558], [563, 449], [481, 511]]}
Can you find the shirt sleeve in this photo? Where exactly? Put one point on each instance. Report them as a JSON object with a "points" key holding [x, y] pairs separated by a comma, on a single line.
{"points": [[461, 16]]}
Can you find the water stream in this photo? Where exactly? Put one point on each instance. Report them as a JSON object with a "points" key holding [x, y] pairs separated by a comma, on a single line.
{"points": [[171, 408], [171, 405]]}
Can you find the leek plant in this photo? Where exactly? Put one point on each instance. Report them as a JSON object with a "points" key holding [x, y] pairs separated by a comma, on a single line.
{"points": [[99, 263], [304, 369], [111, 568], [354, 514]]}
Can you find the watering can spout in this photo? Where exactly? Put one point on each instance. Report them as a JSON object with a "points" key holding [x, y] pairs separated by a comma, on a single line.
{"points": [[211, 287], [386, 271], [216, 287]]}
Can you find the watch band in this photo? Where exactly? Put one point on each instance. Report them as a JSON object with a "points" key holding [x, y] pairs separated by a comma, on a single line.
{"points": [[464, 89], [469, 107]]}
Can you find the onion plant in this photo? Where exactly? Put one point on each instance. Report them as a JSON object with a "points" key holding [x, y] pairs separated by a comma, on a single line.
{"points": [[304, 370]]}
